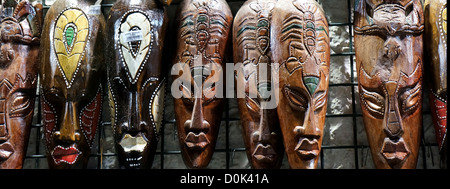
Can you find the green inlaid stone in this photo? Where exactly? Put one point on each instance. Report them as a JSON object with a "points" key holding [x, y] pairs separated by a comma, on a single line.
{"points": [[70, 33], [264, 90], [311, 83], [245, 28], [202, 18], [263, 23], [310, 25], [291, 27]]}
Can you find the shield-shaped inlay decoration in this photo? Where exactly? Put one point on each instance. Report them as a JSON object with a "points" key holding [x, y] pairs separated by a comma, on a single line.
{"points": [[135, 41], [71, 34]]}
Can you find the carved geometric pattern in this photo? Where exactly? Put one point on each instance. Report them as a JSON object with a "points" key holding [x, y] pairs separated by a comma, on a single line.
{"points": [[303, 32], [5, 88], [201, 29]]}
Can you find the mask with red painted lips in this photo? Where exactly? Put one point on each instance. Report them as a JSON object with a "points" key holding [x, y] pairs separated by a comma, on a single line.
{"points": [[71, 76], [67, 155]]}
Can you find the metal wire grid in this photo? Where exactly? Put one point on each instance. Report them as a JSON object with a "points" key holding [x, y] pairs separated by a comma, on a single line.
{"points": [[39, 154]]}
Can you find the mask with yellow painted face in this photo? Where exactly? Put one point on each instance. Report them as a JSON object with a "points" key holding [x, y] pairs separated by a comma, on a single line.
{"points": [[71, 81]]}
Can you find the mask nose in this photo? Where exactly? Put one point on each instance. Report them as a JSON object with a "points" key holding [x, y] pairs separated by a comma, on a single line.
{"points": [[69, 131], [309, 128], [393, 127], [197, 124]]}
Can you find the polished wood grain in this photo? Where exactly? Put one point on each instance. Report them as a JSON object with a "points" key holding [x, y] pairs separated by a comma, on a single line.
{"points": [[202, 39], [300, 43], [388, 46], [20, 29], [251, 48]]}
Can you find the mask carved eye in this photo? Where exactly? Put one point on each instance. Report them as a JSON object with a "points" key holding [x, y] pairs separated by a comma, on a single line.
{"points": [[410, 99], [374, 102], [21, 105], [296, 99]]}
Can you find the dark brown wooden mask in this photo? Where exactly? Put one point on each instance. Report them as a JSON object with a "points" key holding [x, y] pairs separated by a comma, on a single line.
{"points": [[251, 47], [136, 30], [71, 74], [204, 27], [20, 30], [388, 46], [435, 41], [300, 43]]}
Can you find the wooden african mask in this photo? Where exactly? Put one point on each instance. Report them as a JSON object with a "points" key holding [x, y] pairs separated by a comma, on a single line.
{"points": [[135, 33], [20, 30], [71, 81], [203, 32], [300, 44], [251, 47], [435, 42], [388, 46]]}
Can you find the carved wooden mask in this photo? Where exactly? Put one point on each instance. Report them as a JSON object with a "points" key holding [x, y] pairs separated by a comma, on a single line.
{"points": [[20, 30], [203, 31], [251, 47], [71, 74], [388, 46], [435, 41], [136, 30], [300, 43]]}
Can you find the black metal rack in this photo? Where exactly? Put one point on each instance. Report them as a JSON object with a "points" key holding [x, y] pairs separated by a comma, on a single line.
{"points": [[357, 148]]}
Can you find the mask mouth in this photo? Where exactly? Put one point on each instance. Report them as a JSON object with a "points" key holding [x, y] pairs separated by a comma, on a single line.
{"points": [[134, 147], [67, 155], [264, 153], [133, 160], [196, 141], [394, 152], [133, 143], [307, 149], [6, 151]]}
